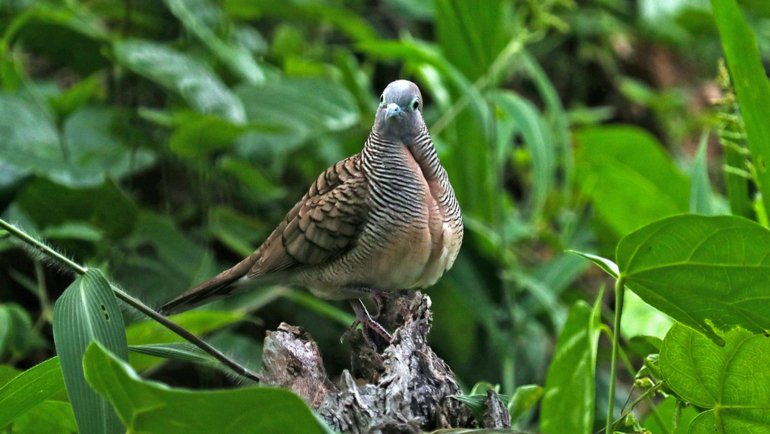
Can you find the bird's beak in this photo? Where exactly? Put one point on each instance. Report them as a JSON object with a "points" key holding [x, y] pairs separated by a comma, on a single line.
{"points": [[393, 110]]}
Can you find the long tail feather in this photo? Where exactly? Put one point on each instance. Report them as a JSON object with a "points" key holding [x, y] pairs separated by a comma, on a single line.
{"points": [[219, 286]]}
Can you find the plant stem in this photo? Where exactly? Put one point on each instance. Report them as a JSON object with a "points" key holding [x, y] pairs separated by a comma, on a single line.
{"points": [[134, 302], [619, 294]]}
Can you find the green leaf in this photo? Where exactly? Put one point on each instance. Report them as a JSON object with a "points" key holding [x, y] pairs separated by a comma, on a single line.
{"points": [[29, 389], [527, 122], [16, 333], [700, 186], [665, 417], [182, 351], [73, 231], [471, 37], [47, 417], [524, 399], [191, 79], [709, 273], [731, 381], [200, 136], [105, 208], [197, 17], [298, 109], [147, 406], [605, 264], [751, 86], [568, 401], [620, 166], [149, 332], [85, 153], [88, 311]]}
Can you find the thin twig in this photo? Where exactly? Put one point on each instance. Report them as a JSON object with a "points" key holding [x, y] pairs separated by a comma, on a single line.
{"points": [[134, 302]]}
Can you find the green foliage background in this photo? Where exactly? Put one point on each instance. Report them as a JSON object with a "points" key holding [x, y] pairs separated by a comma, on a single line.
{"points": [[162, 141]]}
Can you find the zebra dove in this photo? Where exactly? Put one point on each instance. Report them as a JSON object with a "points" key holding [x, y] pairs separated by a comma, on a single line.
{"points": [[381, 220]]}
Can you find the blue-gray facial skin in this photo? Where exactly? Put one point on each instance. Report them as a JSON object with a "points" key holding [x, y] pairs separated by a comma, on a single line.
{"points": [[399, 112]]}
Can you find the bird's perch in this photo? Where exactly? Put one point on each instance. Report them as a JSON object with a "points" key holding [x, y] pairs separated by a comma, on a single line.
{"points": [[406, 388]]}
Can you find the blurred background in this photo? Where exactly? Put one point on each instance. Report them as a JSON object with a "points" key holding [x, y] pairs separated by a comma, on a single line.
{"points": [[163, 140]]}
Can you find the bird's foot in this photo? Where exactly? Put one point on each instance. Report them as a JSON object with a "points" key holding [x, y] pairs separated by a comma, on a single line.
{"points": [[372, 330]]}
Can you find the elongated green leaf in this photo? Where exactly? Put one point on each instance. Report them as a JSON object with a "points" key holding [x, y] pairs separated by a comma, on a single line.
{"points": [[528, 123], [88, 311], [47, 417], [471, 37], [152, 333], [196, 17], [524, 399], [700, 186], [147, 406], [629, 178], [568, 401], [182, 351], [605, 264], [730, 381], [710, 273], [751, 86], [191, 79], [29, 389]]}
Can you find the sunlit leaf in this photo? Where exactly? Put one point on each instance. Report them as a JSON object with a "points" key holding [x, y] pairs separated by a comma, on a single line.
{"points": [[709, 273], [29, 389], [630, 179], [729, 381], [751, 85]]}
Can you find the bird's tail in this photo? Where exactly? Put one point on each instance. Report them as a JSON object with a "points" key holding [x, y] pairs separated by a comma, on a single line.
{"points": [[218, 286]]}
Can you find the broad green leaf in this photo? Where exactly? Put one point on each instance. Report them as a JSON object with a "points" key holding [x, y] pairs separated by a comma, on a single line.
{"points": [[471, 37], [16, 333], [237, 231], [568, 401], [751, 86], [199, 17], [88, 311], [641, 319], [630, 179], [93, 137], [199, 137], [47, 417], [731, 381], [665, 417], [709, 273], [150, 332], [298, 109], [29, 389], [528, 122], [700, 186], [524, 399], [84, 154], [188, 77], [147, 406], [105, 208]]}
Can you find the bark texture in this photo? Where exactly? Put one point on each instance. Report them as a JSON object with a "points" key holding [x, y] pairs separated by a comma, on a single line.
{"points": [[404, 388]]}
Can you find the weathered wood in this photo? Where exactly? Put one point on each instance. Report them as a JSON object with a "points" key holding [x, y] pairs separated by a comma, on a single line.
{"points": [[405, 388]]}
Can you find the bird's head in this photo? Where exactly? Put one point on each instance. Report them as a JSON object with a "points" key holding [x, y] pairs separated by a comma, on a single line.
{"points": [[400, 110]]}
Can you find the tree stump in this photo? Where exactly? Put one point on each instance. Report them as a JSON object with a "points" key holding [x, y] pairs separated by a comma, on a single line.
{"points": [[405, 388]]}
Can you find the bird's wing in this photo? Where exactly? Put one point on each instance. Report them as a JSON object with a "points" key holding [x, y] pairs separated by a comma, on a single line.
{"points": [[323, 225]]}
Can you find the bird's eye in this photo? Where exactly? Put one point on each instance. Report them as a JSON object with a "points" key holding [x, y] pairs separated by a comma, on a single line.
{"points": [[382, 98], [415, 104]]}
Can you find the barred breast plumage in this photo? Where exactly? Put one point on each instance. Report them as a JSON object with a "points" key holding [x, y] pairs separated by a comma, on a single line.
{"points": [[381, 220]]}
